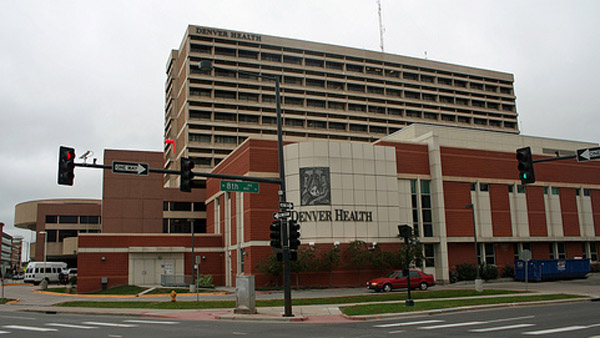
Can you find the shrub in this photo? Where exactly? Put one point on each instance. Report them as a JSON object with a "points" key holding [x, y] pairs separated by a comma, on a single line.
{"points": [[489, 272], [508, 271], [595, 267], [453, 276], [205, 281], [466, 271]]}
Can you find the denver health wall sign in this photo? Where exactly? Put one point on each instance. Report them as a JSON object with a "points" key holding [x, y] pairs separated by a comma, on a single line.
{"points": [[315, 189]]}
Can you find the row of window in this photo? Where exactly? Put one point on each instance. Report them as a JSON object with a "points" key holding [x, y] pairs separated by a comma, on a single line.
{"points": [[343, 106], [184, 206], [484, 187], [184, 225], [69, 219], [408, 72], [54, 236]]}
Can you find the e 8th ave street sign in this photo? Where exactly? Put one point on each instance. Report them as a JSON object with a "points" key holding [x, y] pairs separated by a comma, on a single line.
{"points": [[239, 186]]}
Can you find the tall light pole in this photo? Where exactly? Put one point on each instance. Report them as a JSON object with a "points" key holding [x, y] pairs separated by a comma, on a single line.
{"points": [[45, 247], [478, 282], [206, 65]]}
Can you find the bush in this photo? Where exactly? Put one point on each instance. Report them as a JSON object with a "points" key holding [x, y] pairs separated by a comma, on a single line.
{"points": [[508, 271], [73, 280], [595, 267], [453, 276], [205, 281], [489, 272], [466, 271]]}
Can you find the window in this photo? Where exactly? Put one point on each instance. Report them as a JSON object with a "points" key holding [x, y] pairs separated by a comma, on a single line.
{"points": [[555, 191], [89, 219], [562, 254], [521, 189], [67, 219], [484, 187], [552, 250], [225, 139], [180, 206], [271, 57], [199, 138], [473, 187], [593, 252], [429, 255], [313, 63], [586, 192], [511, 188], [51, 236], [62, 234], [545, 190], [490, 258], [199, 206], [51, 219]]}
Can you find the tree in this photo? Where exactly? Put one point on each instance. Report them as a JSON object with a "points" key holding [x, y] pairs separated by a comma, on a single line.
{"points": [[357, 255], [415, 252], [328, 260], [270, 266], [305, 262], [385, 261]]}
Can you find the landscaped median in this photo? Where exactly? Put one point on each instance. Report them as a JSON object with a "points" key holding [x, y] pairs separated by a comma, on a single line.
{"points": [[130, 291], [357, 305]]}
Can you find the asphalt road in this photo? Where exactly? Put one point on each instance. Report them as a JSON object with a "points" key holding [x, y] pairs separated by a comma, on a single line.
{"points": [[566, 320]]}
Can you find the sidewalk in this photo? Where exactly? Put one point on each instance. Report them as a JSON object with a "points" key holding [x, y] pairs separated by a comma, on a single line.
{"points": [[42, 302]]}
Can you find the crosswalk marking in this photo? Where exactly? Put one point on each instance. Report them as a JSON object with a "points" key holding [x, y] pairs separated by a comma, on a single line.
{"points": [[556, 330], [29, 328], [500, 328], [445, 326], [421, 322], [3, 332], [110, 324], [398, 331], [150, 322], [71, 326]]}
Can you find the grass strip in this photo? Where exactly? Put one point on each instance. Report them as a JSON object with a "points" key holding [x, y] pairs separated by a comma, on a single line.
{"points": [[371, 309], [369, 298]]}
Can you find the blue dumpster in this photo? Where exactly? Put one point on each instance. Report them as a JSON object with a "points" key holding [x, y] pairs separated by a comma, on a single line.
{"points": [[552, 269]]}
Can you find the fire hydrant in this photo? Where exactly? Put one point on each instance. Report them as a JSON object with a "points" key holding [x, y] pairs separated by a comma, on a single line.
{"points": [[173, 296]]}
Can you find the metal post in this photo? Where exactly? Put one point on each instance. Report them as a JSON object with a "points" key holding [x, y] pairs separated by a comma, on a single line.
{"points": [[478, 281], [287, 287], [409, 301], [194, 269]]}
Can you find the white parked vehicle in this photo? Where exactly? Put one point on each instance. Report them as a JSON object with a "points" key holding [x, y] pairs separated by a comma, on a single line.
{"points": [[35, 272]]}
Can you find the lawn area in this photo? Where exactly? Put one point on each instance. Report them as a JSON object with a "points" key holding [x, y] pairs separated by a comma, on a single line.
{"points": [[368, 298], [371, 309], [130, 290]]}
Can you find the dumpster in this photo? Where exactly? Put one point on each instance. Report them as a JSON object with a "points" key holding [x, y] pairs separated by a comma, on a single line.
{"points": [[552, 269]]}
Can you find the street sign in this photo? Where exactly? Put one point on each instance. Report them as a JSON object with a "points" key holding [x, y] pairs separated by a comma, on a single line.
{"points": [[134, 168], [239, 186], [286, 205], [588, 154], [282, 214]]}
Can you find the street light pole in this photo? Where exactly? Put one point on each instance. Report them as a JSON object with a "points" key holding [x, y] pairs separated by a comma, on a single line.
{"points": [[45, 247], [287, 289]]}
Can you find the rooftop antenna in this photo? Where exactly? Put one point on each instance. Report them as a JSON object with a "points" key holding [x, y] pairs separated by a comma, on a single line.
{"points": [[381, 28]]}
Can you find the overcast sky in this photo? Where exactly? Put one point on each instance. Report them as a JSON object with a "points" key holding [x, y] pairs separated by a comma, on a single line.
{"points": [[91, 74]]}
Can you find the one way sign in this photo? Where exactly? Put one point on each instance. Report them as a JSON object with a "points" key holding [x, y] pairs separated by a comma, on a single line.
{"points": [[588, 154], [130, 168]]}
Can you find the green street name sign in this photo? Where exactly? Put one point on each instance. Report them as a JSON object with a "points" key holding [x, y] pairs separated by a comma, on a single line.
{"points": [[239, 186]]}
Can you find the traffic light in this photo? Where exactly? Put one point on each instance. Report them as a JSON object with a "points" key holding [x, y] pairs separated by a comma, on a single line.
{"points": [[294, 235], [525, 165], [276, 234], [186, 166], [66, 164]]}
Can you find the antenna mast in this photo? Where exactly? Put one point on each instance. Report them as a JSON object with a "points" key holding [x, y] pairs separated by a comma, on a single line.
{"points": [[381, 28]]}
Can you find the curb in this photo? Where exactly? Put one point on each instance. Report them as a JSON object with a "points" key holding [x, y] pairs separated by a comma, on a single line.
{"points": [[126, 296]]}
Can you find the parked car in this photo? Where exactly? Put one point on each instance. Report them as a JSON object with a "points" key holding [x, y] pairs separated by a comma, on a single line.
{"points": [[397, 279]]}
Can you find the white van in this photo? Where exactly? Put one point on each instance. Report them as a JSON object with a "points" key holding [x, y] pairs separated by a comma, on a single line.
{"points": [[35, 272]]}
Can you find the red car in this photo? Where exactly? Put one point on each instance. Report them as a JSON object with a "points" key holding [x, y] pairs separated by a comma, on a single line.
{"points": [[396, 279]]}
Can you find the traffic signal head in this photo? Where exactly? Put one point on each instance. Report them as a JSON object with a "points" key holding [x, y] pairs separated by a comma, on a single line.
{"points": [[186, 166], [66, 164], [276, 234], [525, 165], [294, 235]]}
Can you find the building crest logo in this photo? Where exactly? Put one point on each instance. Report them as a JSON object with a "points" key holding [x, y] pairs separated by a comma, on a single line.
{"points": [[315, 186]]}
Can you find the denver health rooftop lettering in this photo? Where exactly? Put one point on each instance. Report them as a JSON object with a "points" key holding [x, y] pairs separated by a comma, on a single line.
{"points": [[228, 34], [340, 215]]}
